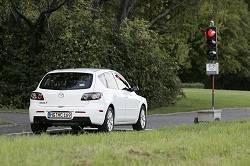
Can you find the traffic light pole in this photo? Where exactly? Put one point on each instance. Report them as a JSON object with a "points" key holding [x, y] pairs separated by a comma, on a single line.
{"points": [[212, 69], [213, 92], [212, 24]]}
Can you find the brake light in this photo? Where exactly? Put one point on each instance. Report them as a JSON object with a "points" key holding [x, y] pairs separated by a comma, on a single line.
{"points": [[36, 96], [91, 96]]}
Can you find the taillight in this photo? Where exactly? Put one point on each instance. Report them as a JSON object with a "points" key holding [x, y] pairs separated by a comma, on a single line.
{"points": [[91, 96], [36, 96]]}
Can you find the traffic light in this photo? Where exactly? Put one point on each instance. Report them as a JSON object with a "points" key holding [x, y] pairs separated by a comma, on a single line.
{"points": [[212, 51]]}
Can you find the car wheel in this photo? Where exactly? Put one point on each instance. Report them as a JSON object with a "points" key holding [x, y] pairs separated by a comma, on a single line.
{"points": [[196, 120], [142, 120], [217, 119], [108, 124], [38, 128]]}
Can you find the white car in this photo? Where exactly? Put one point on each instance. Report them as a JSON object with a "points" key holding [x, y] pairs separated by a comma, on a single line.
{"points": [[82, 97]]}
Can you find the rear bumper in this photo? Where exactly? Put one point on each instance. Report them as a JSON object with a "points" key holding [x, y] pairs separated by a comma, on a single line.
{"points": [[86, 116], [76, 121]]}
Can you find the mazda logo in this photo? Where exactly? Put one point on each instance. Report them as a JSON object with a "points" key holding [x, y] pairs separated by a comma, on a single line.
{"points": [[61, 95]]}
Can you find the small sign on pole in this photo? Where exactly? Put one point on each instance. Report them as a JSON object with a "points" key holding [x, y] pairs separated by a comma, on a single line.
{"points": [[212, 68]]}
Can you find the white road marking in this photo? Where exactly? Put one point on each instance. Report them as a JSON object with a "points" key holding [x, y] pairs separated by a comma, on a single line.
{"points": [[22, 133]]}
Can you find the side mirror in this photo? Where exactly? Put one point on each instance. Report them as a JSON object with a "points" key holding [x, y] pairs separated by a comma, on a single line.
{"points": [[135, 88]]}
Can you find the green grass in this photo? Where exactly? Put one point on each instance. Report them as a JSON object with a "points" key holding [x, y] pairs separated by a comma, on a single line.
{"points": [[2, 122], [201, 99], [217, 144]]}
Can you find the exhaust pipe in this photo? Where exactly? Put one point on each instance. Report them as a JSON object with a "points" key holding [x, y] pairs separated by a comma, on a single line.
{"points": [[37, 121]]}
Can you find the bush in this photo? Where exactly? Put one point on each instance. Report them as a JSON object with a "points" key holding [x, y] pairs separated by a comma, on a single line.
{"points": [[192, 85]]}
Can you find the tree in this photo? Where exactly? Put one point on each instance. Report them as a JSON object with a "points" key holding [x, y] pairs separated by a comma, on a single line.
{"points": [[82, 34], [36, 25], [232, 20], [150, 42], [126, 6], [21, 66]]}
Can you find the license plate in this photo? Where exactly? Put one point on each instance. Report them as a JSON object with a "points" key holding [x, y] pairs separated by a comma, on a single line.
{"points": [[60, 115]]}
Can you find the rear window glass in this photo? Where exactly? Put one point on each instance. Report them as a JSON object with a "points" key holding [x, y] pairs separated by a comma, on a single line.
{"points": [[67, 81]]}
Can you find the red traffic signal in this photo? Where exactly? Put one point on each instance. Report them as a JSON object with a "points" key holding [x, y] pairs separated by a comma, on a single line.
{"points": [[211, 33]]}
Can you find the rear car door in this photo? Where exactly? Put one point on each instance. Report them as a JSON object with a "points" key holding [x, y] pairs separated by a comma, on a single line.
{"points": [[118, 98]]}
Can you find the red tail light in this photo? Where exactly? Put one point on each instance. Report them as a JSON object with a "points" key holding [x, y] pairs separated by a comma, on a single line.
{"points": [[36, 96], [91, 96]]}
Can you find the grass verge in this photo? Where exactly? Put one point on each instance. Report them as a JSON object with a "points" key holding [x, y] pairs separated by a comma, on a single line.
{"points": [[201, 99], [2, 122], [217, 143]]}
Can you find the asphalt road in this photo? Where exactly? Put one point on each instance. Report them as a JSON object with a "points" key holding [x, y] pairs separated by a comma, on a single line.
{"points": [[21, 120]]}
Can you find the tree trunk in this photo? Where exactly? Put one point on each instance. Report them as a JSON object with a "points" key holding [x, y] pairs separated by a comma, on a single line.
{"points": [[121, 15], [37, 27], [126, 8], [96, 10]]}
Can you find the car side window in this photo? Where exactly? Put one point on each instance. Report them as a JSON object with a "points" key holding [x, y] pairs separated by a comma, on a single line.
{"points": [[121, 82], [103, 80], [110, 80]]}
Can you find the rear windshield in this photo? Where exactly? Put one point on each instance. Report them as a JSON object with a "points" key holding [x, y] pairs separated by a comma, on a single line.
{"points": [[67, 81]]}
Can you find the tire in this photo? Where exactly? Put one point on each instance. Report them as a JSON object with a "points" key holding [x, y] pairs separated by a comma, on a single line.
{"points": [[38, 128], [142, 120], [217, 119], [108, 124], [196, 120]]}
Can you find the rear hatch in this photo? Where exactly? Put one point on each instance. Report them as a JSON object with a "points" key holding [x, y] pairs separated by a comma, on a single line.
{"points": [[66, 98], [65, 89]]}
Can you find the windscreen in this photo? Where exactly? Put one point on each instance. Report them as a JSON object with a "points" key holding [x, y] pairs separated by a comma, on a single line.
{"points": [[67, 81]]}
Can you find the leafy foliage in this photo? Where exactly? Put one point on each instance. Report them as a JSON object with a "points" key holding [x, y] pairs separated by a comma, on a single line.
{"points": [[155, 44], [232, 20]]}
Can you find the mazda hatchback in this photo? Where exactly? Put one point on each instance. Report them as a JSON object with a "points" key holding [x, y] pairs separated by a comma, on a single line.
{"points": [[84, 97]]}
